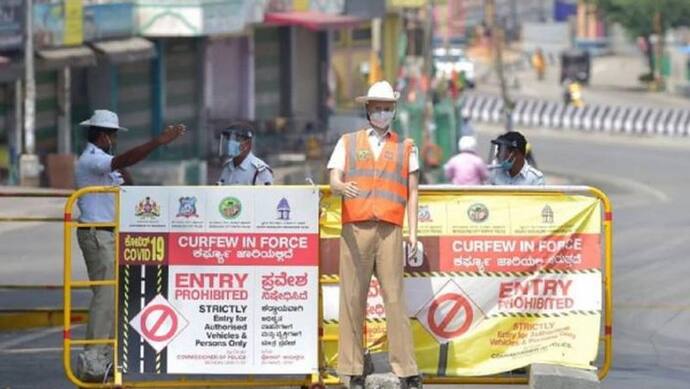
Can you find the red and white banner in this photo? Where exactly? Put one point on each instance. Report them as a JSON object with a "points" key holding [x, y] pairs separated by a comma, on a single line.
{"points": [[219, 280]]}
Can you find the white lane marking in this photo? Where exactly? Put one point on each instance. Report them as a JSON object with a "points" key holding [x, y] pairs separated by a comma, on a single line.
{"points": [[36, 350], [29, 337], [629, 184], [143, 304]]}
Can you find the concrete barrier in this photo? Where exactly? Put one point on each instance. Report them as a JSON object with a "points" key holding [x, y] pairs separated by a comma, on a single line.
{"points": [[543, 376]]}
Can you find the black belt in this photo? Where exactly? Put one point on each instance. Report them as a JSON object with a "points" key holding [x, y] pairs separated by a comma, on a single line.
{"points": [[111, 229]]}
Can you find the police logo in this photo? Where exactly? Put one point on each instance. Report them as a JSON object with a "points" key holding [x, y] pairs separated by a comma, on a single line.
{"points": [[147, 209], [478, 212], [424, 214], [363, 155], [230, 208], [283, 209], [547, 215], [187, 207]]}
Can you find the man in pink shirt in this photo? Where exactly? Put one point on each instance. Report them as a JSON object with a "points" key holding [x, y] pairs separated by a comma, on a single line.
{"points": [[466, 168]]}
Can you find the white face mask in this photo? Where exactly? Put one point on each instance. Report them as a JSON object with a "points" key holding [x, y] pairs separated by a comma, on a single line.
{"points": [[111, 149], [381, 119]]}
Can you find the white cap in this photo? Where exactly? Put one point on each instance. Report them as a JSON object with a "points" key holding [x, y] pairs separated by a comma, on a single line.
{"points": [[103, 118], [467, 143], [379, 91]]}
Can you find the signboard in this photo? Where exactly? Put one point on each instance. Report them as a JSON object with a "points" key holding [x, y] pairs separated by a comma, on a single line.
{"points": [[11, 24], [218, 280], [160, 18], [108, 21], [58, 24], [505, 281]]}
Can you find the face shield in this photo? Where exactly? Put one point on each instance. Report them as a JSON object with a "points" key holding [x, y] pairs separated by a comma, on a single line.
{"points": [[501, 156], [230, 145]]}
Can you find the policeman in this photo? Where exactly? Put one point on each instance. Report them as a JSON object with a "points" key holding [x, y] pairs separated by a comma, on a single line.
{"points": [[511, 168], [242, 167], [97, 166], [376, 172]]}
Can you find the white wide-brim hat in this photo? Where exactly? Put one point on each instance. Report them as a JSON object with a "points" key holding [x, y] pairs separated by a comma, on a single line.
{"points": [[103, 118], [379, 91]]}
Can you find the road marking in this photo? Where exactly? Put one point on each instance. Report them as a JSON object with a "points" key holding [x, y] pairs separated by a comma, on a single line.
{"points": [[631, 185], [29, 337], [37, 350]]}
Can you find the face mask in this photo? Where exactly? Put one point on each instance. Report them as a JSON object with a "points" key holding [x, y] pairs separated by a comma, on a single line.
{"points": [[381, 119], [111, 149], [233, 148], [507, 163]]}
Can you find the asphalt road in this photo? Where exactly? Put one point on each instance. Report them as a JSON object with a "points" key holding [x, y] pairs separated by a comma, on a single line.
{"points": [[646, 179], [613, 81]]}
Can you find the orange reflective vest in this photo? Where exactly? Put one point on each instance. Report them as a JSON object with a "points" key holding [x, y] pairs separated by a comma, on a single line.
{"points": [[382, 182]]}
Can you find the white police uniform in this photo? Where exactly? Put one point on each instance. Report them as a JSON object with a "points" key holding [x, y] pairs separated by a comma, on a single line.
{"points": [[252, 171], [94, 169], [98, 247], [528, 175]]}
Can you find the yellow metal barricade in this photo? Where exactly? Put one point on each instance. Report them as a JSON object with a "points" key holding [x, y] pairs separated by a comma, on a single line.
{"points": [[315, 380], [25, 318], [607, 280]]}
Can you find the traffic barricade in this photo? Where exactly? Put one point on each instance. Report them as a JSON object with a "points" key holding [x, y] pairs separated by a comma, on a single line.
{"points": [[32, 207], [209, 278], [478, 298], [191, 300]]}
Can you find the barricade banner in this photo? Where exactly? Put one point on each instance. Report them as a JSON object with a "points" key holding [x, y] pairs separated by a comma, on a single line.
{"points": [[218, 280], [504, 281]]}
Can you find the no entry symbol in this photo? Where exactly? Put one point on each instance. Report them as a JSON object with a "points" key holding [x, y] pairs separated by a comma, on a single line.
{"points": [[445, 316], [158, 323]]}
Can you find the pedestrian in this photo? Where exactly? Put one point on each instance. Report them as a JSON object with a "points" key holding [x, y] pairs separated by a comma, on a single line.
{"points": [[511, 167], [466, 128], [539, 63], [466, 168], [242, 167], [376, 173], [98, 166], [431, 154]]}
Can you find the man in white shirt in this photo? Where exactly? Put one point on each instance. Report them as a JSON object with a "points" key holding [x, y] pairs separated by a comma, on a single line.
{"points": [[242, 167], [376, 173], [98, 167], [512, 167]]}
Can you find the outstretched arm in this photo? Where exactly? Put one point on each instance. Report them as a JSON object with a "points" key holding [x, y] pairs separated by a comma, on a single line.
{"points": [[132, 156]]}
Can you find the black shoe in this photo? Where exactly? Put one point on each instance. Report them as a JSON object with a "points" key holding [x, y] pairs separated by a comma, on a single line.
{"points": [[411, 382], [358, 382]]}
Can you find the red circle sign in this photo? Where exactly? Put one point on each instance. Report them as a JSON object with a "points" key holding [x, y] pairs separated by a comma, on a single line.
{"points": [[456, 302], [152, 333]]}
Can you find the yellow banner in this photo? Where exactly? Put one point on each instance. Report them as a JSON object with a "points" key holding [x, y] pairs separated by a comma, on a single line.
{"points": [[74, 22], [497, 214], [407, 3], [505, 280], [497, 345]]}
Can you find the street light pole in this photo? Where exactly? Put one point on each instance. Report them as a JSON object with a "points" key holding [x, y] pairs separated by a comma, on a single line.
{"points": [[29, 167], [30, 84]]}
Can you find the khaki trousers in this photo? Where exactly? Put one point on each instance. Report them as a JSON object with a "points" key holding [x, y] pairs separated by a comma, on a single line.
{"points": [[368, 248], [98, 248]]}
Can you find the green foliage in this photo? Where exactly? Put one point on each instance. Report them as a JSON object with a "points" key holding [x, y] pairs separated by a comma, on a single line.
{"points": [[637, 16]]}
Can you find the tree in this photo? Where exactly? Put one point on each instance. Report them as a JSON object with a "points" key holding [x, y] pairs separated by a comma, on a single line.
{"points": [[644, 18]]}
